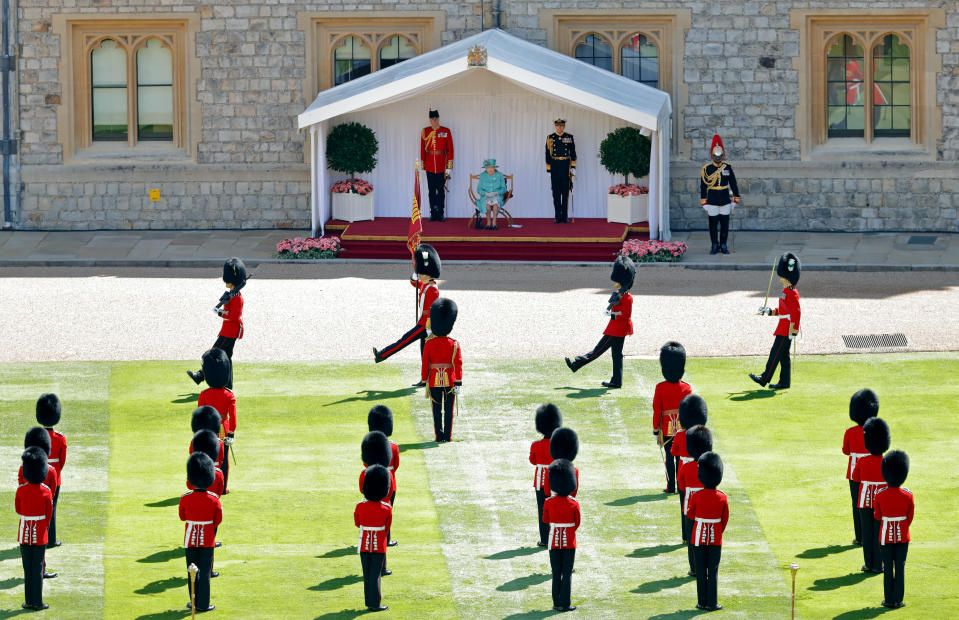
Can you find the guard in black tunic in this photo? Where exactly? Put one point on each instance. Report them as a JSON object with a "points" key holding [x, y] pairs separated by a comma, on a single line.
{"points": [[719, 195], [561, 166]]}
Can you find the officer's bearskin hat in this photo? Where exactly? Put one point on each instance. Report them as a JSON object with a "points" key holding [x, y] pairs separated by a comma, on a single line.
{"points": [[48, 410], [672, 360], [376, 483], [206, 417], [206, 441], [234, 272], [427, 260], [562, 477], [564, 444], [710, 469], [624, 272], [217, 368], [375, 449], [875, 434], [434, 113], [863, 405], [39, 437], [548, 419], [380, 419], [442, 316], [895, 467], [699, 440], [200, 470], [692, 411], [788, 267], [35, 467]]}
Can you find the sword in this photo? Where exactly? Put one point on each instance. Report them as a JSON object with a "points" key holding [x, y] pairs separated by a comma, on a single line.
{"points": [[769, 286], [572, 211]]}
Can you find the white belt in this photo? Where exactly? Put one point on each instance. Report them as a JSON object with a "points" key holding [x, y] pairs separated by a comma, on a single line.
{"points": [[539, 476], [689, 492], [783, 316], [364, 529], [885, 527], [192, 524], [552, 530], [864, 487], [53, 460], [685, 459], [853, 457], [26, 518], [699, 527]]}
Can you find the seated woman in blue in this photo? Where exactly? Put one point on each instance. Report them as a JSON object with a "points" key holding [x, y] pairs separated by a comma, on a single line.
{"points": [[490, 188]]}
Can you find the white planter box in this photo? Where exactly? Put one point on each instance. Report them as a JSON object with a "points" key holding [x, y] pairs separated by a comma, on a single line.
{"points": [[627, 209], [352, 207]]}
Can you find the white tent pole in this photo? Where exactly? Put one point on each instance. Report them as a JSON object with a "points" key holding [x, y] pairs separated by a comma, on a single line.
{"points": [[664, 230], [654, 185], [314, 207]]}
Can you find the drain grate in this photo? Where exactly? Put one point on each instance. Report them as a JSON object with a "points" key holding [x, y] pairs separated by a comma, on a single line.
{"points": [[875, 341], [921, 240]]}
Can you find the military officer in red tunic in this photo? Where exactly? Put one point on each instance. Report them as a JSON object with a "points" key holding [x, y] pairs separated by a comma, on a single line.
{"points": [[34, 505], [893, 509], [562, 514], [436, 153], [373, 516], [709, 514], [217, 371], [230, 309], [48, 415], [789, 314], [442, 369], [666, 398], [548, 419], [202, 513]]}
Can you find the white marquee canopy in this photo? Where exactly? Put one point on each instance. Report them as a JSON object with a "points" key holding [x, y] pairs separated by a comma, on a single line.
{"points": [[503, 110]]}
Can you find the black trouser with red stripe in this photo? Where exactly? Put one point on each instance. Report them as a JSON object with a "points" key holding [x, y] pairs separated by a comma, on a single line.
{"points": [[444, 401], [894, 581], [672, 464], [606, 342], [870, 540], [203, 558], [373, 564], [857, 525], [436, 194], [707, 570], [543, 527], [561, 561], [689, 524], [52, 531], [32, 558], [778, 356], [417, 333], [682, 516]]}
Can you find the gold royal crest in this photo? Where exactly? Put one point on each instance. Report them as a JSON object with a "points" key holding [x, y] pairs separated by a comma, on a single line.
{"points": [[476, 56]]}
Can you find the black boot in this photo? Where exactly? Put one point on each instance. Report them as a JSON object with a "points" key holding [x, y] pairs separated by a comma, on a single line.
{"points": [[714, 249], [723, 233], [757, 379], [196, 376], [714, 233], [617, 381]]}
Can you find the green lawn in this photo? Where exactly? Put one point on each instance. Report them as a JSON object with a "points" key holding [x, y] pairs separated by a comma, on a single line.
{"points": [[465, 512]]}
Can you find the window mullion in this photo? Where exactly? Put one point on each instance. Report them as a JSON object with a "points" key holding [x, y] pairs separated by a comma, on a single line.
{"points": [[131, 97], [869, 112]]}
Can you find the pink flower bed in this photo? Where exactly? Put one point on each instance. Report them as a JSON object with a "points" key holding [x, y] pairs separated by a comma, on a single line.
{"points": [[653, 251], [352, 186], [628, 190], [311, 247]]}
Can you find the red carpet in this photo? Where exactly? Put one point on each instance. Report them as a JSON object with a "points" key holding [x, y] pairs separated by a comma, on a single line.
{"points": [[528, 240]]}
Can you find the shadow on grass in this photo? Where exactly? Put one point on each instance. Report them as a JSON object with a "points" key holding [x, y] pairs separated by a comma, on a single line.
{"points": [[370, 395], [165, 615], [817, 553], [164, 503], [423, 445], [186, 398], [336, 583], [514, 553], [650, 552], [863, 614], [339, 553], [12, 582], [575, 392], [346, 613], [751, 395], [638, 499], [532, 615], [162, 556], [521, 583], [10, 553], [659, 585], [834, 583], [679, 614], [9, 613], [162, 585]]}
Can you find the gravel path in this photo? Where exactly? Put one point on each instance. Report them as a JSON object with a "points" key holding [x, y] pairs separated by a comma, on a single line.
{"points": [[335, 312]]}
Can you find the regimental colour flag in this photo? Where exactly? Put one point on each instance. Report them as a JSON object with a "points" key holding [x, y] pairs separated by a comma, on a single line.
{"points": [[416, 224]]}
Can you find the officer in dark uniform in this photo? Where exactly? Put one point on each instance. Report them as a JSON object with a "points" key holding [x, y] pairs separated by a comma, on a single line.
{"points": [[717, 184], [561, 166]]}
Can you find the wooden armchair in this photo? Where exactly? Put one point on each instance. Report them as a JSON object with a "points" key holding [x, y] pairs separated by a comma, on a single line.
{"points": [[474, 179]]}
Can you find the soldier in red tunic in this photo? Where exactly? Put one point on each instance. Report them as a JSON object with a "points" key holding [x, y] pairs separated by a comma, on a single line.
{"points": [[34, 504], [39, 437], [230, 308], [206, 441], [48, 416], [203, 514], [692, 412], [442, 369], [436, 153], [561, 512], [709, 512], [699, 440], [868, 473], [893, 508], [206, 417], [380, 419], [789, 314], [666, 399], [548, 419], [620, 311], [863, 405], [375, 449], [564, 444], [373, 516], [217, 370], [426, 260]]}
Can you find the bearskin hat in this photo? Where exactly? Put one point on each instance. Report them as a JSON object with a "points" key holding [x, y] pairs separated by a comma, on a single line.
{"points": [[206, 441], [895, 467], [217, 368], [234, 272], [200, 470], [692, 411], [863, 405], [35, 467], [434, 113], [48, 410], [548, 419], [788, 267], [624, 272], [442, 316], [427, 260], [710, 469], [375, 449], [562, 477], [376, 483], [672, 360], [699, 440], [875, 434], [380, 419], [564, 444], [206, 417], [39, 437]]}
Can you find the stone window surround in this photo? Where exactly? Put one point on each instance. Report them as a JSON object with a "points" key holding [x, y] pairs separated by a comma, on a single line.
{"points": [[78, 33], [818, 29], [565, 28]]}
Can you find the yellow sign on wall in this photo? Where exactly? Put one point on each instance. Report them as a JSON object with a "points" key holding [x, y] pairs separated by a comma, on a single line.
{"points": [[154, 195]]}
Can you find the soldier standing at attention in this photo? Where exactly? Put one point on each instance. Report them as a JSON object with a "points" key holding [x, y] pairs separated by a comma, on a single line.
{"points": [[436, 153], [561, 166], [716, 183]]}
